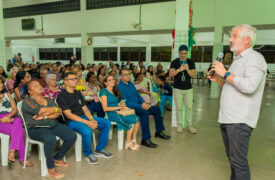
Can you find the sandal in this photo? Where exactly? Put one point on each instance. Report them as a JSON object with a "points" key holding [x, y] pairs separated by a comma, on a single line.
{"points": [[128, 146], [11, 157], [28, 163], [134, 141], [58, 163], [55, 175]]}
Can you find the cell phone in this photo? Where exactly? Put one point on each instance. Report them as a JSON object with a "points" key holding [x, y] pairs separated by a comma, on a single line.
{"points": [[123, 101]]}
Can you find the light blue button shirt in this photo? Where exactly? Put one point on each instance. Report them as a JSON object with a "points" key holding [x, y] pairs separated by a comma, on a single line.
{"points": [[241, 102]]}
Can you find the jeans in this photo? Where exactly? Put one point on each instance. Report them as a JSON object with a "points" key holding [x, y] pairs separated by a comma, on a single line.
{"points": [[48, 136], [163, 100], [144, 120], [236, 142], [96, 107], [104, 126]]}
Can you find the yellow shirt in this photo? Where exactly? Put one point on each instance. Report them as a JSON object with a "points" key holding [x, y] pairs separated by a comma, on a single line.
{"points": [[80, 87]]}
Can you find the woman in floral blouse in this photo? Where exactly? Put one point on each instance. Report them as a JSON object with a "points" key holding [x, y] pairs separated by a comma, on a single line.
{"points": [[51, 90]]}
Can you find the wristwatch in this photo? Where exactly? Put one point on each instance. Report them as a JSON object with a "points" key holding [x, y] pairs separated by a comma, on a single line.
{"points": [[226, 75]]}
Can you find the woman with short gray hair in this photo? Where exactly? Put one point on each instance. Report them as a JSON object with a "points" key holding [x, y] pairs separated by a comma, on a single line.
{"points": [[52, 89]]}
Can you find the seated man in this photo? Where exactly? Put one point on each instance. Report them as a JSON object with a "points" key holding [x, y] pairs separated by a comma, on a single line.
{"points": [[143, 109], [79, 119]]}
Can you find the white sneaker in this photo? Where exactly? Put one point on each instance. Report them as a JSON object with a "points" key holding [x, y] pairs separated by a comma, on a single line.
{"points": [[192, 130], [179, 129]]}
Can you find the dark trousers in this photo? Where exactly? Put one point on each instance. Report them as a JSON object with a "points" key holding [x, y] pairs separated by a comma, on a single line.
{"points": [[48, 136], [144, 120], [96, 107], [236, 142]]}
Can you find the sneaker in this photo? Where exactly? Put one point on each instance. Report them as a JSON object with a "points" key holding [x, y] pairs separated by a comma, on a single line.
{"points": [[179, 129], [104, 153], [192, 130], [92, 159]]}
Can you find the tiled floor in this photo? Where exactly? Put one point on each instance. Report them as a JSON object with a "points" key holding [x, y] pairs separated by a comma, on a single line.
{"points": [[184, 157]]}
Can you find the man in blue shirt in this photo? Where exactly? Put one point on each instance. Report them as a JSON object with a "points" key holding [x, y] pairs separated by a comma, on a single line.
{"points": [[143, 109]]}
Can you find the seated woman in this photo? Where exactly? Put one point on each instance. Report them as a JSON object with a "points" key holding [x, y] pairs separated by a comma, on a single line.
{"points": [[3, 74], [40, 115], [22, 77], [11, 81], [100, 75], [95, 104], [110, 97], [144, 89], [51, 90], [12, 125]]}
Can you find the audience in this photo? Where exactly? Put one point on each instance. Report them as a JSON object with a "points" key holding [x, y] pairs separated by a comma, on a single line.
{"points": [[39, 85], [12, 125], [142, 108], [11, 81], [110, 97], [22, 77], [95, 104], [144, 89], [165, 93], [100, 75], [80, 119], [3, 74], [52, 89], [43, 74], [40, 115], [54, 70]]}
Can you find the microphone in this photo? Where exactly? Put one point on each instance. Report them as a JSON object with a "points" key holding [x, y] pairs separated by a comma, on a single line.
{"points": [[219, 58]]}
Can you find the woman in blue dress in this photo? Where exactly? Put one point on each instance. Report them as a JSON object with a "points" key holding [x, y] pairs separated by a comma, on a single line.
{"points": [[110, 99]]}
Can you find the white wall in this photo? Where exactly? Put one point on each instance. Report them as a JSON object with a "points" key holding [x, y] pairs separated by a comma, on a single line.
{"points": [[155, 17]]}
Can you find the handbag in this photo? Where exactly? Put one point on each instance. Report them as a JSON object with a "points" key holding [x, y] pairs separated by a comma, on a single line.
{"points": [[126, 112]]}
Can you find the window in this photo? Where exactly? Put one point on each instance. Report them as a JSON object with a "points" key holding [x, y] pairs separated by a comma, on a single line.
{"points": [[49, 53], [55, 53], [202, 53], [104, 54], [268, 51], [96, 4], [133, 53], [161, 54], [78, 53], [42, 54], [42, 8]]}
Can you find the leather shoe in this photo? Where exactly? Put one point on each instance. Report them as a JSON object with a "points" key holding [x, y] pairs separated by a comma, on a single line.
{"points": [[162, 135], [148, 143]]}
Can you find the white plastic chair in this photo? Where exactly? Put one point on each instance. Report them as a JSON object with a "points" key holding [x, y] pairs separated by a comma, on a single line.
{"points": [[14, 98], [5, 144], [42, 157], [120, 134], [78, 142]]}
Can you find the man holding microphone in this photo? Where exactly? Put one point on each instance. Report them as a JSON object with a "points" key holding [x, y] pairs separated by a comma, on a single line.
{"points": [[243, 86], [182, 70]]}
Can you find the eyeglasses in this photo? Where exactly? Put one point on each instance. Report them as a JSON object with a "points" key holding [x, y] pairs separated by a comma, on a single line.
{"points": [[110, 80], [126, 74], [72, 79]]}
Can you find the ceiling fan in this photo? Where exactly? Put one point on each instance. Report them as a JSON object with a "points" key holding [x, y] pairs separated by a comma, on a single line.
{"points": [[135, 25], [40, 31]]}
